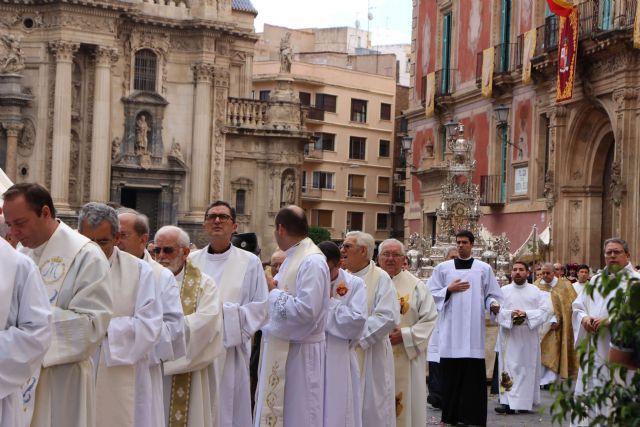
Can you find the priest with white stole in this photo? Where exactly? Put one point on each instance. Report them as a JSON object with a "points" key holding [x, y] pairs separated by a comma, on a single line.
{"points": [[463, 289], [375, 355], [345, 323], [134, 228], [524, 309], [203, 332], [291, 379], [410, 338], [591, 316], [25, 316], [123, 384], [75, 273], [240, 279]]}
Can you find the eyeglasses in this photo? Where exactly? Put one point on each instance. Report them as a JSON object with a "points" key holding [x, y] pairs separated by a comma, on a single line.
{"points": [[391, 255], [346, 246], [613, 253], [219, 216], [166, 249]]}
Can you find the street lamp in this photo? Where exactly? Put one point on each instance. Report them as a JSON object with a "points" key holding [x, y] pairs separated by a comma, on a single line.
{"points": [[451, 128], [501, 113], [407, 142]]}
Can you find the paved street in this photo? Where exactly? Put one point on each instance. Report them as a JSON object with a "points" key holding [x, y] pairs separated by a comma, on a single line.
{"points": [[517, 420]]}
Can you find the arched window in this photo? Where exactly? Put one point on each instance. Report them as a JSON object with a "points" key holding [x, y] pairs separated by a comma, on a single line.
{"points": [[145, 70], [240, 202]]}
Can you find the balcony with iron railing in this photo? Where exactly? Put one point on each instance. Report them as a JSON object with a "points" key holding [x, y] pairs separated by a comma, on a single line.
{"points": [[506, 60], [444, 87], [315, 113], [492, 190]]}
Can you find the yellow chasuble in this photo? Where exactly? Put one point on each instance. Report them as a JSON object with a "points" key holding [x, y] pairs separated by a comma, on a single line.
{"points": [[557, 350]]}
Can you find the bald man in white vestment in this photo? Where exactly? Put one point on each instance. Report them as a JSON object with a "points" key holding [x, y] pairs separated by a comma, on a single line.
{"points": [[123, 379], [76, 277], [200, 298], [25, 316], [375, 355]]}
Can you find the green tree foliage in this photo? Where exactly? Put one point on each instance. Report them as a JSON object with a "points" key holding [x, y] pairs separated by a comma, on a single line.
{"points": [[318, 234], [616, 402]]}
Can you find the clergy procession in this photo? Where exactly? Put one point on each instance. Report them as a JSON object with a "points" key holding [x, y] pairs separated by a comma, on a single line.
{"points": [[100, 331]]}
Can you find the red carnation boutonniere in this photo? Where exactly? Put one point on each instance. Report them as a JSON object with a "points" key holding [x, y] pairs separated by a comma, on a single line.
{"points": [[342, 289]]}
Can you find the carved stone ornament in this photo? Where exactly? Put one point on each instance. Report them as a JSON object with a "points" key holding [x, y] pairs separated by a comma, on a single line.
{"points": [[624, 94], [574, 244], [62, 50], [176, 152], [116, 153], [549, 193], [106, 56], [11, 57], [286, 54], [203, 72], [27, 139], [617, 188]]}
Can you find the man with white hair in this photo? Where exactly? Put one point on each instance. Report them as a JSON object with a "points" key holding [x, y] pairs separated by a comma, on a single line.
{"points": [[123, 380], [203, 332], [375, 357], [134, 235], [410, 338]]}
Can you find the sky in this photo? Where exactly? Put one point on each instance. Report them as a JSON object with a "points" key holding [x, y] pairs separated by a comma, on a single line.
{"points": [[391, 23]]}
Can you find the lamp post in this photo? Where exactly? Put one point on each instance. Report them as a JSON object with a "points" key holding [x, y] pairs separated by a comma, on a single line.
{"points": [[501, 113]]}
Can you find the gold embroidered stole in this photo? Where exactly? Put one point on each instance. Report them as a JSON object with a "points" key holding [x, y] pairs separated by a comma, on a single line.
{"points": [[181, 383], [277, 349], [116, 385], [371, 279], [405, 284]]}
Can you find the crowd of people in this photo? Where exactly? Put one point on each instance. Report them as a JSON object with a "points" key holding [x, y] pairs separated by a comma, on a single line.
{"points": [[104, 328]]}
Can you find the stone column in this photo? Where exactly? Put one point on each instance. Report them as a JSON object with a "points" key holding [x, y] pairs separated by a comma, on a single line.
{"points": [[557, 205], [221, 97], [203, 75], [60, 160], [13, 130], [100, 145]]}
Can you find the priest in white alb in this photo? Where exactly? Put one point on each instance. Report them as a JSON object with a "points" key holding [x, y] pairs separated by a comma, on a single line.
{"points": [[25, 316], [591, 316], [410, 338], [76, 275], [375, 355], [463, 288], [122, 377], [345, 322], [240, 279], [203, 332], [134, 228], [291, 378], [524, 310]]}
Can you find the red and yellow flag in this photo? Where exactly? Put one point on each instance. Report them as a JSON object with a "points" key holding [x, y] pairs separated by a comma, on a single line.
{"points": [[560, 7], [567, 55]]}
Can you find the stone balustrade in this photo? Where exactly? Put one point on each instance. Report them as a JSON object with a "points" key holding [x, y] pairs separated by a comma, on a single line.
{"points": [[246, 113]]}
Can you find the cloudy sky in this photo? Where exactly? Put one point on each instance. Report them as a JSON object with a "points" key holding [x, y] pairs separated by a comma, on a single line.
{"points": [[391, 18]]}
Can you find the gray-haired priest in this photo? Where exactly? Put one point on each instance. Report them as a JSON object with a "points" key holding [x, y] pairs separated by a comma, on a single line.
{"points": [[410, 338], [76, 276], [123, 380], [188, 395]]}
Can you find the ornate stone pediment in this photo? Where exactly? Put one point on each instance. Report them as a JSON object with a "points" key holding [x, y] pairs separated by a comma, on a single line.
{"points": [[147, 98]]}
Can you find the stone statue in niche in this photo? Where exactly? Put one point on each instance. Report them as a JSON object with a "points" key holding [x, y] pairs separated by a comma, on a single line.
{"points": [[286, 54], [115, 149], [11, 58], [142, 130], [176, 152], [289, 190]]}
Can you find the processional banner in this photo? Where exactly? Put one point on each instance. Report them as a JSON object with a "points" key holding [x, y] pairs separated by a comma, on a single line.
{"points": [[528, 53], [567, 55], [488, 56], [430, 95]]}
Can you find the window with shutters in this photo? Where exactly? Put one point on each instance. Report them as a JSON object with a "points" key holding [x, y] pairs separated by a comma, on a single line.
{"points": [[355, 221], [385, 111], [384, 185], [357, 148], [326, 102], [355, 185], [382, 221], [384, 149], [322, 218], [323, 180], [358, 110], [241, 202], [305, 98], [325, 141]]}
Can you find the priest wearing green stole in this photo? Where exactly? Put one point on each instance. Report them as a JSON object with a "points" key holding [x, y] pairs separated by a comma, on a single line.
{"points": [[410, 338], [188, 395], [75, 273]]}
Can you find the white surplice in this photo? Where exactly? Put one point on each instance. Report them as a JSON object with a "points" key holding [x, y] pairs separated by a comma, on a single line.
{"points": [[578, 287], [461, 322], [203, 331], [345, 322], [241, 280], [520, 344], [75, 272], [25, 317], [377, 380], [595, 306], [171, 343], [123, 378], [417, 319], [300, 319]]}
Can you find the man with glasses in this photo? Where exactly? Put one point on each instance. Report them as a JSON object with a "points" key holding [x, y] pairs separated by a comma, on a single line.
{"points": [[559, 358], [375, 355], [591, 316], [463, 288], [123, 380], [410, 338], [203, 332], [134, 235], [241, 281], [75, 273]]}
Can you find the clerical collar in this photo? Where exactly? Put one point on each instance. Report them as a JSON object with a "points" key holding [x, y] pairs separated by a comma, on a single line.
{"points": [[463, 264], [213, 252], [553, 282]]}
